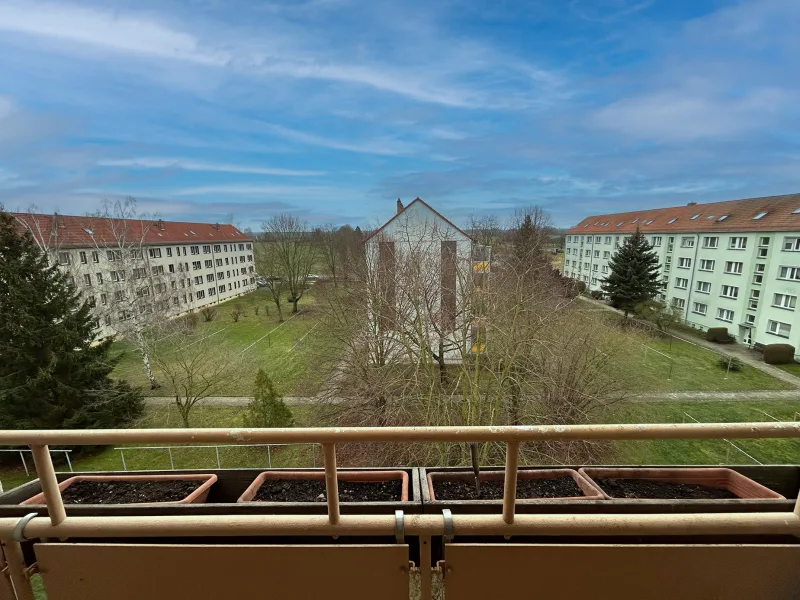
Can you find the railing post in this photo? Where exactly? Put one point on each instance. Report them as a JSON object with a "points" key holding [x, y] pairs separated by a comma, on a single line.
{"points": [[122, 456], [331, 483], [69, 462], [24, 464], [47, 477], [6, 587], [171, 464], [216, 449], [510, 481], [425, 567], [269, 457], [16, 568]]}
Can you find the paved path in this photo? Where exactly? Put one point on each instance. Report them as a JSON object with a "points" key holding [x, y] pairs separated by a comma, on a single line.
{"points": [[228, 400], [736, 350]]}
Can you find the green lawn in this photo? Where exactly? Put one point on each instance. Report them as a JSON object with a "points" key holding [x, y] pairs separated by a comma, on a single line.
{"points": [[767, 451], [257, 340], [792, 369], [109, 459], [677, 365]]}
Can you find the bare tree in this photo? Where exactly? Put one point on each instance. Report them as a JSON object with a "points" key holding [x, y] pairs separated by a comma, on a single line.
{"points": [[194, 370], [268, 266], [294, 254], [209, 313]]}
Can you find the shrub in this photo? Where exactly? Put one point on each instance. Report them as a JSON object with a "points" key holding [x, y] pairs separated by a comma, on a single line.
{"points": [[596, 294], [267, 408], [736, 364], [236, 312], [255, 308], [778, 354], [190, 321], [209, 313], [717, 334]]}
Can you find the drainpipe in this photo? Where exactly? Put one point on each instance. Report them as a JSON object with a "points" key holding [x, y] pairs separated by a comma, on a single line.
{"points": [[691, 278]]}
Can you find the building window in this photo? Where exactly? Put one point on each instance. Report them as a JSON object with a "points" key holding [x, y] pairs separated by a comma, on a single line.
{"points": [[733, 268], [171, 268], [605, 268], [597, 253], [778, 328], [209, 264], [217, 248], [700, 308], [737, 243], [606, 254], [87, 279], [730, 291], [608, 240], [107, 319], [195, 249], [117, 275], [196, 265], [687, 242], [95, 257], [103, 299], [212, 291], [198, 280], [206, 249], [113, 255], [723, 314], [750, 319], [679, 303], [585, 266], [221, 289], [684, 263], [704, 287], [83, 258], [792, 273], [99, 278], [763, 252], [706, 265], [681, 283], [710, 242], [154, 252], [169, 255], [791, 244], [241, 246], [784, 301], [63, 258], [119, 296], [200, 294], [210, 277], [158, 270], [656, 241]]}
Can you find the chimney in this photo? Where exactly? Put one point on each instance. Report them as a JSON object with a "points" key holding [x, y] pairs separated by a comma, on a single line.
{"points": [[399, 206], [692, 204], [216, 226], [161, 224]]}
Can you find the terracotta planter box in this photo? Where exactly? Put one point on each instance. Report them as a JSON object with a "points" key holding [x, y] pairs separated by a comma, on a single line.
{"points": [[590, 491], [356, 476], [198, 496], [721, 478]]}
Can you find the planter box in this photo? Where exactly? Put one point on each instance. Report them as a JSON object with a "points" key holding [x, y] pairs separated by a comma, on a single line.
{"points": [[590, 491], [356, 476], [721, 478], [230, 485], [783, 479], [198, 496]]}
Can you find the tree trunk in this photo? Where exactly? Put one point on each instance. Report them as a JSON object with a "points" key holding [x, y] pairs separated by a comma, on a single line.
{"points": [[280, 312], [294, 305], [442, 365], [183, 410], [148, 371]]}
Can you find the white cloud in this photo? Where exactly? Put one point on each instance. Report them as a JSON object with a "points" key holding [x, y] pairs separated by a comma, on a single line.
{"points": [[192, 165], [384, 146], [106, 29], [282, 191], [688, 114]]}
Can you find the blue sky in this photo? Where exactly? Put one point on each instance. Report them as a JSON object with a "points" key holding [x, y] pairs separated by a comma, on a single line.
{"points": [[333, 108]]}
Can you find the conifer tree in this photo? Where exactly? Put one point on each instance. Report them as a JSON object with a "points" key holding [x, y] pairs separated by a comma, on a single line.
{"points": [[52, 374], [267, 408], [635, 274]]}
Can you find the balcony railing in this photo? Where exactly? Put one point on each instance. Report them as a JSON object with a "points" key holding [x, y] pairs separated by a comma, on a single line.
{"points": [[58, 525]]}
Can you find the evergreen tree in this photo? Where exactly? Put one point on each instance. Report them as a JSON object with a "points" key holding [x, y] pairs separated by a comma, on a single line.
{"points": [[267, 408], [51, 374], [635, 274]]}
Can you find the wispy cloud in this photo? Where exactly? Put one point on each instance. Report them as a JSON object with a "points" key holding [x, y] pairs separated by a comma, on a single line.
{"points": [[193, 165], [386, 146]]}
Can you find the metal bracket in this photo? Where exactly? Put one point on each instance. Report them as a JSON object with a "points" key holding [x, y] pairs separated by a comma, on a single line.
{"points": [[31, 571], [399, 527], [449, 529], [19, 528]]}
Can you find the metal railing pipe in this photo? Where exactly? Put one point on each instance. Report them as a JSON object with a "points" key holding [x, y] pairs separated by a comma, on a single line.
{"points": [[510, 479], [331, 482], [332, 435], [47, 478]]}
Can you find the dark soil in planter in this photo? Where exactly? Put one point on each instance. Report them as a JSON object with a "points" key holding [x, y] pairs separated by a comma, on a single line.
{"points": [[651, 489], [127, 492], [559, 487], [305, 490]]}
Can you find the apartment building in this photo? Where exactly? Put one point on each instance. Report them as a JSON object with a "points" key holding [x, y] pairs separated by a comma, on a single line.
{"points": [[734, 264], [137, 270]]}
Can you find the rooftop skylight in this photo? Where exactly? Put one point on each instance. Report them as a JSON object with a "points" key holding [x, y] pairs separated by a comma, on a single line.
{"points": [[796, 211], [89, 231], [722, 218], [694, 217], [634, 221], [760, 215], [671, 221], [620, 223]]}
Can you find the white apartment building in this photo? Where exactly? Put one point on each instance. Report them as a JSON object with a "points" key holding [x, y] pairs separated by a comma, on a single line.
{"points": [[732, 264], [423, 267], [130, 269]]}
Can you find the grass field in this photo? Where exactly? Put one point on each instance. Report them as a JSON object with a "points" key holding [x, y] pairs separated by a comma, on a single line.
{"points": [[792, 369], [767, 451], [109, 459], [258, 340], [677, 365]]}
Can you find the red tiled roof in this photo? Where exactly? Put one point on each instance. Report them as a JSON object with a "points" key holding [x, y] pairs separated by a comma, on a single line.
{"points": [[782, 213], [72, 232], [430, 208]]}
